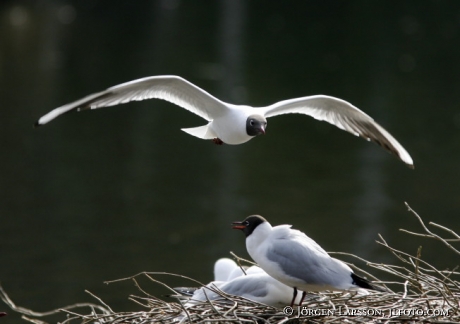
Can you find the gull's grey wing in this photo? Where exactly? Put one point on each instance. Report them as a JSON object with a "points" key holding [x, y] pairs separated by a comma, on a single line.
{"points": [[313, 266], [170, 88], [343, 115], [246, 286]]}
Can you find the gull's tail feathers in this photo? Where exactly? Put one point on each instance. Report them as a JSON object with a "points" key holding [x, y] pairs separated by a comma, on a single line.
{"points": [[203, 132]]}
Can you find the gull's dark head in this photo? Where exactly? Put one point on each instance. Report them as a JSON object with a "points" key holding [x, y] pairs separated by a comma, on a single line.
{"points": [[249, 224], [256, 125]]}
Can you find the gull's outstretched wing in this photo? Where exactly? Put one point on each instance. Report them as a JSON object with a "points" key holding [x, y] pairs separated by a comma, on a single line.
{"points": [[170, 88], [343, 115]]}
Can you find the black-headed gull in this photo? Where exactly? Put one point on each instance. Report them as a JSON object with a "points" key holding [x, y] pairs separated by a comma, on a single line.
{"points": [[235, 124], [255, 285], [296, 260]]}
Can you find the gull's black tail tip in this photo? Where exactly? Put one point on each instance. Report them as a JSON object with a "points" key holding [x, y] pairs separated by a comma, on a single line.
{"points": [[363, 283]]}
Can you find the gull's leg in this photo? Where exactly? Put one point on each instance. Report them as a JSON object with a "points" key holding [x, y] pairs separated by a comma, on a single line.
{"points": [[217, 141], [294, 296], [303, 297]]}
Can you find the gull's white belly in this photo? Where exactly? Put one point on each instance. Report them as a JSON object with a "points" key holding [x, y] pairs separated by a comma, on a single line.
{"points": [[231, 129]]}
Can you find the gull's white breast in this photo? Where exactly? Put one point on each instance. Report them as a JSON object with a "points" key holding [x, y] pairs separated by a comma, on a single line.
{"points": [[230, 127]]}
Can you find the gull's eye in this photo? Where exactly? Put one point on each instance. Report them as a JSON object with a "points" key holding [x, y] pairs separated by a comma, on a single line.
{"points": [[251, 122], [246, 223]]}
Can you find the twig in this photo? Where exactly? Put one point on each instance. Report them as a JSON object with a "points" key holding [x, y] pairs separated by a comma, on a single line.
{"points": [[433, 235], [447, 230], [6, 299], [107, 309]]}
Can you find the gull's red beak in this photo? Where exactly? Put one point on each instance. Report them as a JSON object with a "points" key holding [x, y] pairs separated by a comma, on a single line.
{"points": [[262, 129], [238, 225]]}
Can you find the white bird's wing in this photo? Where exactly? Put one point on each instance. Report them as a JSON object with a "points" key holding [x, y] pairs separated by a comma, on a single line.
{"points": [[282, 233], [170, 88], [343, 115], [246, 286], [304, 261]]}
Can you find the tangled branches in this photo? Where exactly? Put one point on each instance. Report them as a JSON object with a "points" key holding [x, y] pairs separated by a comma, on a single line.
{"points": [[422, 293]]}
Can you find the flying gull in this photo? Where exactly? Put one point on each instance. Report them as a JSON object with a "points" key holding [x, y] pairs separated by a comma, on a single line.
{"points": [[235, 124]]}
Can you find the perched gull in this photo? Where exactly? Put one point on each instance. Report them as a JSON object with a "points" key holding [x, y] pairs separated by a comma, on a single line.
{"points": [[255, 285], [235, 124], [296, 260]]}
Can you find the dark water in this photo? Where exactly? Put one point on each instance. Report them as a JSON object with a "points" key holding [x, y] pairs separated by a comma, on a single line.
{"points": [[106, 194]]}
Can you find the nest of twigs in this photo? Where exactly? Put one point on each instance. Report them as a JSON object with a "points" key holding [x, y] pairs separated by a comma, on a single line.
{"points": [[424, 294]]}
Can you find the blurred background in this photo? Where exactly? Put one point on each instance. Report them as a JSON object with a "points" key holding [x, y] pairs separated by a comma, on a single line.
{"points": [[105, 194]]}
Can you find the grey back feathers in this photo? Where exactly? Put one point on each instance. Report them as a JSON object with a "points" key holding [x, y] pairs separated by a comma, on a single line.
{"points": [[313, 266]]}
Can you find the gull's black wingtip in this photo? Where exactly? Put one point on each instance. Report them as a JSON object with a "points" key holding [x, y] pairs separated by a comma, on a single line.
{"points": [[37, 124], [364, 283]]}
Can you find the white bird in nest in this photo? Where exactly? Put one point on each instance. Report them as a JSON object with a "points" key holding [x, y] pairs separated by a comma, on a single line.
{"points": [[253, 284], [296, 260], [235, 124]]}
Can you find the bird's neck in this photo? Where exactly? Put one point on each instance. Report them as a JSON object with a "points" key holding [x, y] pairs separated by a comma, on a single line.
{"points": [[257, 238]]}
